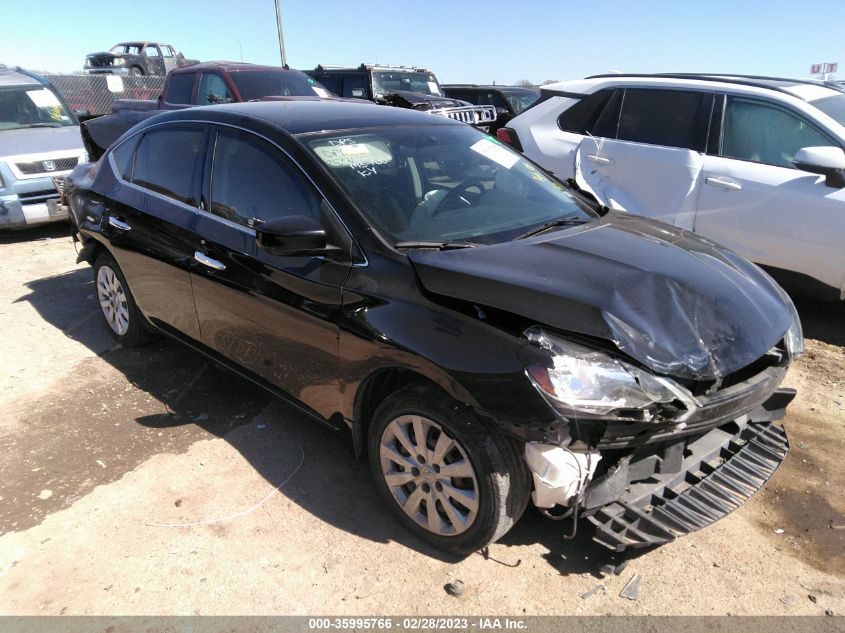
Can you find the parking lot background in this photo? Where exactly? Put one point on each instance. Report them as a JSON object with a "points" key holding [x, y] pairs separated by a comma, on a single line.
{"points": [[108, 448]]}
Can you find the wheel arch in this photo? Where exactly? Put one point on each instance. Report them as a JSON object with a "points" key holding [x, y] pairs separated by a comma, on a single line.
{"points": [[382, 382]]}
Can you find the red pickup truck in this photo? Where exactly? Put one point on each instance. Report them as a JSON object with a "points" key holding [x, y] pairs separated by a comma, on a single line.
{"points": [[210, 83]]}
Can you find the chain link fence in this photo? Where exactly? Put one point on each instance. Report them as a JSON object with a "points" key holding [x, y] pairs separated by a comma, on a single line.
{"points": [[96, 93]]}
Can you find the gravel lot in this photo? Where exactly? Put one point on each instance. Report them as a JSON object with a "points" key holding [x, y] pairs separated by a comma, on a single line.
{"points": [[107, 447]]}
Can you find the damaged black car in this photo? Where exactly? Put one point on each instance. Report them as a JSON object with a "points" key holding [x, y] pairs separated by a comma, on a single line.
{"points": [[488, 336]]}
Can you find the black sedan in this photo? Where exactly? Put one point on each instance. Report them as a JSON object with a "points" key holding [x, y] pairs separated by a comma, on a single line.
{"points": [[488, 334]]}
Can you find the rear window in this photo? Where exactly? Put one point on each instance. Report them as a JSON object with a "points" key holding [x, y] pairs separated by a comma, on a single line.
{"points": [[673, 118], [179, 88]]}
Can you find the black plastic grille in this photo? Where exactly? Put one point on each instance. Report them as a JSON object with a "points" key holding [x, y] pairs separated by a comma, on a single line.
{"points": [[38, 166]]}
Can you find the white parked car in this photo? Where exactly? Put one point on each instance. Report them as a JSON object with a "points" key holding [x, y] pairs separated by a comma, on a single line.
{"points": [[755, 163]]}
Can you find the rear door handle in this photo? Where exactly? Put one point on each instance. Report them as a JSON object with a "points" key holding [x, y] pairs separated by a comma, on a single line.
{"points": [[730, 185], [205, 260], [120, 225], [601, 160]]}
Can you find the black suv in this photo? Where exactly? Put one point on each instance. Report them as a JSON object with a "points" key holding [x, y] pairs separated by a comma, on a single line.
{"points": [[508, 100], [487, 334], [402, 87]]}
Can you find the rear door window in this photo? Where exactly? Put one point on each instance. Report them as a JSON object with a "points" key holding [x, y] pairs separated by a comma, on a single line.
{"points": [[168, 162], [180, 88], [251, 181], [672, 118]]}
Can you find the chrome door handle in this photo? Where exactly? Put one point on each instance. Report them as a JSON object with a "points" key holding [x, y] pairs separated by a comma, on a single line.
{"points": [[601, 160], [205, 260], [119, 224], [730, 185]]}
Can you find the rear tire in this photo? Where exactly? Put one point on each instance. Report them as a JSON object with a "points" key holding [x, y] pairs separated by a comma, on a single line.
{"points": [[117, 305], [428, 452]]}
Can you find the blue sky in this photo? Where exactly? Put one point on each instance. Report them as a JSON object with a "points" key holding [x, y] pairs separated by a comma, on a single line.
{"points": [[480, 42]]}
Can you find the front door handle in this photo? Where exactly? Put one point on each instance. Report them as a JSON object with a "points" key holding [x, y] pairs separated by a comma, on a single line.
{"points": [[120, 225], [205, 260], [601, 160], [730, 185]]}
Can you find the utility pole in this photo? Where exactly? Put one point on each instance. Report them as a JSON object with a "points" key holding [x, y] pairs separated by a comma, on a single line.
{"points": [[281, 34]]}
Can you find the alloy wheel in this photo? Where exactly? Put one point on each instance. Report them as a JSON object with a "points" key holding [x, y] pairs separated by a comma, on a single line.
{"points": [[112, 300]]}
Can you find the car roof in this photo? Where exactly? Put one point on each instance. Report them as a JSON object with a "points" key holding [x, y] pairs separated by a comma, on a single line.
{"points": [[231, 67], [308, 115], [490, 87], [805, 89], [16, 77]]}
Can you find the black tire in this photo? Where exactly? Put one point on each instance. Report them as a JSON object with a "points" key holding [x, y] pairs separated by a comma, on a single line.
{"points": [[136, 71], [137, 332], [501, 483]]}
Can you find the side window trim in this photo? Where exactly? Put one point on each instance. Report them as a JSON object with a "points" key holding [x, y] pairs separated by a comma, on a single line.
{"points": [[773, 104]]}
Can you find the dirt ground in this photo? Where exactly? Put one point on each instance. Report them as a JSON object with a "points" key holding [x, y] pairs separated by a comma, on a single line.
{"points": [[107, 449]]}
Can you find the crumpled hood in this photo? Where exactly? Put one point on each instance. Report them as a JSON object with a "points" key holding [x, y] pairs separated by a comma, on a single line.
{"points": [[675, 302], [415, 99], [39, 139]]}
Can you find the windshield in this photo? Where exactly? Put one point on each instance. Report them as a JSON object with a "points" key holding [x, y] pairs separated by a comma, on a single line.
{"points": [[834, 107], [124, 49], [443, 184], [521, 100], [256, 84], [31, 106], [425, 83]]}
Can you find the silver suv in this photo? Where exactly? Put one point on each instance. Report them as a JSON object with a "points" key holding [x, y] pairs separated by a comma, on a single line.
{"points": [[39, 139]]}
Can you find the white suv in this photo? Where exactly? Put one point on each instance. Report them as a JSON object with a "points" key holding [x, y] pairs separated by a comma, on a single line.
{"points": [[755, 163]]}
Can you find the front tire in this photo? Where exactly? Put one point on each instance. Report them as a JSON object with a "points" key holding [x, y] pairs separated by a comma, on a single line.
{"points": [[117, 305], [135, 71], [450, 479]]}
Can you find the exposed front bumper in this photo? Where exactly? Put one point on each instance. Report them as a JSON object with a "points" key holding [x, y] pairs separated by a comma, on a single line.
{"points": [[14, 215], [107, 70], [688, 485]]}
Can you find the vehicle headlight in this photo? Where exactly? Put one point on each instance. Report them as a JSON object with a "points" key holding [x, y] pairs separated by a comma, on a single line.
{"points": [[589, 381], [794, 338]]}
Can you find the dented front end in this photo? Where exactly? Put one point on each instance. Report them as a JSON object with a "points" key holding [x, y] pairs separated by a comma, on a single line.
{"points": [[647, 474]]}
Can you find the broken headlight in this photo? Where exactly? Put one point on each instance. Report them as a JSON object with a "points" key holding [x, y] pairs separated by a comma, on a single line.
{"points": [[794, 337], [588, 381]]}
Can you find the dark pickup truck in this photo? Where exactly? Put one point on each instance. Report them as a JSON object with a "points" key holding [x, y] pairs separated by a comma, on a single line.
{"points": [[135, 59], [210, 83], [402, 87]]}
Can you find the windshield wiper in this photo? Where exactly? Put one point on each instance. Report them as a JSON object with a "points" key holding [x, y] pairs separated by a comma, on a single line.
{"points": [[442, 246], [567, 221], [44, 125]]}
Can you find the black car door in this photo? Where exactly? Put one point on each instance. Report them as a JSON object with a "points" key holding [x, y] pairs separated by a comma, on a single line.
{"points": [[150, 219], [274, 316]]}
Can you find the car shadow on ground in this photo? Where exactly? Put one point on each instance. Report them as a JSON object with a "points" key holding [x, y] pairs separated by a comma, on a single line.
{"points": [[188, 392], [822, 320], [34, 233]]}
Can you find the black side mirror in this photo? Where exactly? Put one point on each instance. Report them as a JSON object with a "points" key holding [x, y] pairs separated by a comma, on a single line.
{"points": [[291, 235], [83, 114]]}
